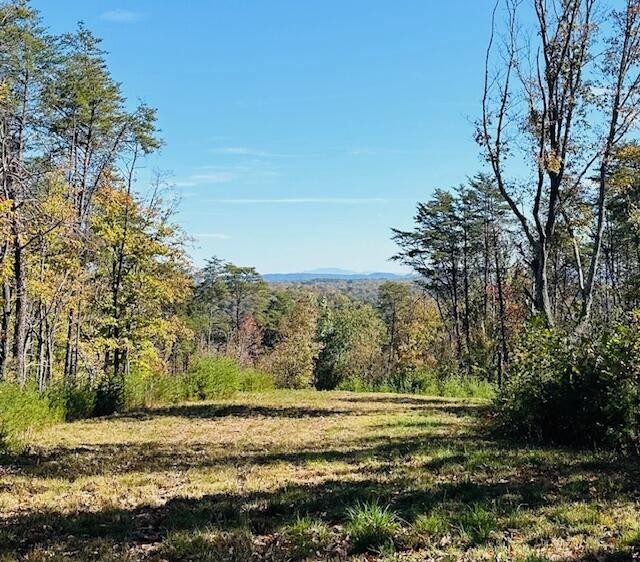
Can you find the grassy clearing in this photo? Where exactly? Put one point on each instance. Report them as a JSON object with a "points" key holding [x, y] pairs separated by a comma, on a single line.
{"points": [[290, 475]]}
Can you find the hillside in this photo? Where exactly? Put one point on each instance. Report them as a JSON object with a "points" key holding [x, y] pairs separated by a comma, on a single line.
{"points": [[331, 276]]}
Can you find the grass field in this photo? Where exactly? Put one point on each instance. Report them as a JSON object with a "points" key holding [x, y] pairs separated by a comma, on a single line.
{"points": [[302, 475]]}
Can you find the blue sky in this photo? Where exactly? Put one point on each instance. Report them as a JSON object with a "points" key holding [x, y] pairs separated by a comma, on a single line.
{"points": [[299, 132]]}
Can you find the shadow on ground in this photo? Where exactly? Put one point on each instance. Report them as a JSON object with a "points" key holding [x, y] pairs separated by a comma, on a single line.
{"points": [[455, 471]]}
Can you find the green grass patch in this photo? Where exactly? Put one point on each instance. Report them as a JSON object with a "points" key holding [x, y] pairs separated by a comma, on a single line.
{"points": [[209, 546], [305, 537], [371, 526], [477, 524]]}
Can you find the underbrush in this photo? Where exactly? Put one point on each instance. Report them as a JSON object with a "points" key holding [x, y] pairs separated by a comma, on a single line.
{"points": [[214, 377], [22, 409], [580, 393], [426, 383], [209, 377]]}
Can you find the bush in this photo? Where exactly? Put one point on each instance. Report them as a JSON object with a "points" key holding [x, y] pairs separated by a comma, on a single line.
{"points": [[426, 383], [419, 381], [371, 526], [75, 401], [575, 393], [255, 381], [467, 387], [144, 389], [215, 377], [109, 395], [22, 409]]}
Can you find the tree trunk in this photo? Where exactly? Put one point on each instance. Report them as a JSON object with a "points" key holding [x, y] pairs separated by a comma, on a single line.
{"points": [[20, 324], [4, 327], [541, 300]]}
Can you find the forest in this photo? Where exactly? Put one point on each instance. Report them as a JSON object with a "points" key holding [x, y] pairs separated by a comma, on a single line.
{"points": [[485, 408]]}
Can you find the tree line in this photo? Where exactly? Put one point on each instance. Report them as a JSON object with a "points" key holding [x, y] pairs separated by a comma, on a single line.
{"points": [[534, 262], [308, 336], [96, 280], [529, 272], [91, 271]]}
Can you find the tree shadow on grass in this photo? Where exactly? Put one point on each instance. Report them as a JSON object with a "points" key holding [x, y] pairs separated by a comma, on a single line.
{"points": [[457, 471], [71, 463], [209, 410], [266, 511], [458, 407]]}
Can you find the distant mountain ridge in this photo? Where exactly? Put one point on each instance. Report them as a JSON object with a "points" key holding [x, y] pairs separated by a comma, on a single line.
{"points": [[332, 274]]}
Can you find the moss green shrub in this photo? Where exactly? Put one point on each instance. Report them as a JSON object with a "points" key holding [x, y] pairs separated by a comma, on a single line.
{"points": [[22, 409], [584, 393], [75, 401], [216, 377]]}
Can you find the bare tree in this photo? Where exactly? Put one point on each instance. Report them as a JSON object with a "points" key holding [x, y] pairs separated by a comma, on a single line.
{"points": [[558, 99]]}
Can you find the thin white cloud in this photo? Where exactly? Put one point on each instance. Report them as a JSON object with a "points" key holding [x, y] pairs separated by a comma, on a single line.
{"points": [[120, 16], [304, 201], [213, 235], [373, 151], [218, 177], [244, 151]]}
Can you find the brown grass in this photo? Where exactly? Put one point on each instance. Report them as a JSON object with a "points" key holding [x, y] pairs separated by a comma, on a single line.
{"points": [[272, 476]]}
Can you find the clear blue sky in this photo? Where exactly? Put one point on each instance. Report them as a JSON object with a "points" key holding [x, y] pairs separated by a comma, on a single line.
{"points": [[299, 132]]}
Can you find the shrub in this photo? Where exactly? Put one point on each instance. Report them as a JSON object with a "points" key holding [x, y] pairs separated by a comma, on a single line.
{"points": [[215, 377], [252, 380], [144, 389], [467, 387], [109, 395], [211, 377], [22, 409], [75, 401], [419, 381], [575, 393], [371, 526], [426, 383]]}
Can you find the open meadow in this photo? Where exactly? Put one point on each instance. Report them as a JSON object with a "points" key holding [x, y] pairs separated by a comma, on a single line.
{"points": [[295, 475]]}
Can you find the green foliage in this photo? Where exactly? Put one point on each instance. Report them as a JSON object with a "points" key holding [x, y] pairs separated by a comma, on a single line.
{"points": [[578, 393], [352, 335], [426, 383], [82, 399], [432, 524], [143, 389], [371, 526], [632, 537], [467, 387], [22, 409], [292, 358], [252, 380], [75, 401], [477, 524], [215, 377], [109, 395], [305, 536]]}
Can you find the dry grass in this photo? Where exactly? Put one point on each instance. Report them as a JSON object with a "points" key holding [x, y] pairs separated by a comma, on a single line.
{"points": [[273, 476]]}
